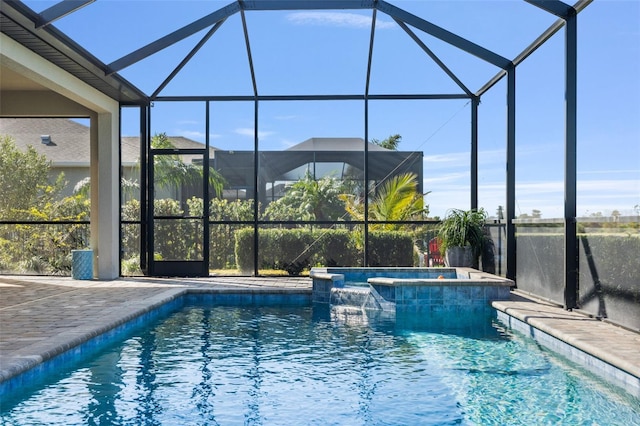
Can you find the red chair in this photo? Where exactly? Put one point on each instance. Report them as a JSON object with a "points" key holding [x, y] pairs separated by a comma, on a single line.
{"points": [[434, 257]]}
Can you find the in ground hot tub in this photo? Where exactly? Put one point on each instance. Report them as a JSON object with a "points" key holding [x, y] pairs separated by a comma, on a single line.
{"points": [[409, 289]]}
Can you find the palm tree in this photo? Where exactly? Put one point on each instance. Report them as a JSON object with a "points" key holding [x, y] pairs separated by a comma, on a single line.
{"points": [[309, 199], [391, 142], [171, 171], [397, 200]]}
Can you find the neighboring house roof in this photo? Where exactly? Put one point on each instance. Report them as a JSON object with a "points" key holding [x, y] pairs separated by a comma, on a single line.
{"points": [[130, 147], [69, 146], [335, 144]]}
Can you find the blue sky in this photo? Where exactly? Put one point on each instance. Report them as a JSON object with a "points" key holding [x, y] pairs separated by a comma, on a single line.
{"points": [[325, 52]]}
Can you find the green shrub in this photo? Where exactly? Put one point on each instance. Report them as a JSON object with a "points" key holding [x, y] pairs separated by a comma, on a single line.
{"points": [[294, 250], [168, 234], [286, 249], [390, 248], [131, 266], [244, 249], [337, 247]]}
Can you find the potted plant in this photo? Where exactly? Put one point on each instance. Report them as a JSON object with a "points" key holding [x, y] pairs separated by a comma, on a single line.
{"points": [[462, 237]]}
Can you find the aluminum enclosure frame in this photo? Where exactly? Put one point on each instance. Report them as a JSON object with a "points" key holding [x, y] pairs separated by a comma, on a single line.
{"points": [[21, 23]]}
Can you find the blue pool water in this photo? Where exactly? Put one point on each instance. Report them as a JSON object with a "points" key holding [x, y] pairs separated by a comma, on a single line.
{"points": [[228, 365]]}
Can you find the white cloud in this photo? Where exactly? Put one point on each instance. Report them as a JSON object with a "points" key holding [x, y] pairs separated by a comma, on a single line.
{"points": [[462, 159], [288, 143], [492, 156], [191, 134], [337, 19], [450, 157], [447, 176], [609, 186], [440, 179], [608, 172], [286, 117], [249, 131], [533, 188], [446, 163], [451, 191], [195, 135]]}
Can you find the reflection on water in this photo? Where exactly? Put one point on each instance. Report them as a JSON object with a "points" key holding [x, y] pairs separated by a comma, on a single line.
{"points": [[321, 365]]}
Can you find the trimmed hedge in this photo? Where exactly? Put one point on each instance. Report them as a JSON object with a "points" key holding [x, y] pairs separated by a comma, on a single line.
{"points": [[295, 250], [337, 248], [390, 248], [244, 249]]}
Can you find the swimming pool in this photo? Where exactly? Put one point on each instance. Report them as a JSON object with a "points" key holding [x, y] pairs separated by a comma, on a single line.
{"points": [[207, 364]]}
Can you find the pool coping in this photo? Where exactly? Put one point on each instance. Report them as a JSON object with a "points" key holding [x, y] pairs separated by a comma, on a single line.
{"points": [[604, 349], [600, 341]]}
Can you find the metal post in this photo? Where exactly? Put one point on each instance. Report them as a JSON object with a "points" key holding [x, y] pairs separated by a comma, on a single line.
{"points": [[206, 197], [570, 236], [366, 182], [366, 141], [120, 170], [511, 173], [256, 210], [475, 101], [144, 210], [149, 191]]}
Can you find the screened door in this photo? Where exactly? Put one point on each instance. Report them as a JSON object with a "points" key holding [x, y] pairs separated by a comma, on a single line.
{"points": [[179, 229]]}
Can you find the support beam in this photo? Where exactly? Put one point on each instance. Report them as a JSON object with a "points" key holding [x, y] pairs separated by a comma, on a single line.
{"points": [[474, 153], [511, 174], [174, 37], [433, 57], [444, 35], [206, 196], [249, 56], [144, 195], [307, 4], [570, 167], [187, 58], [60, 10], [555, 7], [366, 183], [280, 98], [546, 35], [370, 57], [489, 84], [256, 189], [224, 13]]}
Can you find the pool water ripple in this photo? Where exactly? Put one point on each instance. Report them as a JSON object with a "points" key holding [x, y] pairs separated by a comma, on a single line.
{"points": [[292, 365]]}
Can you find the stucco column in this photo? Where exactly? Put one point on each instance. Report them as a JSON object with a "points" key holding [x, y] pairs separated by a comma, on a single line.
{"points": [[105, 195], [64, 95]]}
